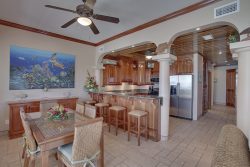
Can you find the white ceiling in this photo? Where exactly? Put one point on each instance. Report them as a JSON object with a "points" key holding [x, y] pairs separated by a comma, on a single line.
{"points": [[131, 13]]}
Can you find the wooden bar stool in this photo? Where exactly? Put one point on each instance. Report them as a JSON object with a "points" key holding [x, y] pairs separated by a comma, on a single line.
{"points": [[117, 122], [139, 115], [103, 109]]}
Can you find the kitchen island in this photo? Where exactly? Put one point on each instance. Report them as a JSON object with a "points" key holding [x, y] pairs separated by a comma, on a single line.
{"points": [[135, 100]]}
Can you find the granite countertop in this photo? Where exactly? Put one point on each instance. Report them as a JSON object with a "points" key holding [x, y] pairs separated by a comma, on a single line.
{"points": [[137, 93], [42, 99]]}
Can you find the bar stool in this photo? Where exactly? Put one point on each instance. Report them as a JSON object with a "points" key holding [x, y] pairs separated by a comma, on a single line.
{"points": [[102, 108], [117, 110], [138, 114]]}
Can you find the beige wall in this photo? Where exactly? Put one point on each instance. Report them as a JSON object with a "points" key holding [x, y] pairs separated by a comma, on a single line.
{"points": [[85, 60], [168, 30]]}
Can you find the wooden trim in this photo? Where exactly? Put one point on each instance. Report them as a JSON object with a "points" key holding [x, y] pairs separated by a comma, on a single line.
{"points": [[39, 31], [175, 14]]}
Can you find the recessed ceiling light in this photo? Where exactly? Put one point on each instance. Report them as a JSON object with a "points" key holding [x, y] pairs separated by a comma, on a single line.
{"points": [[132, 46], [208, 37], [220, 52], [198, 28]]}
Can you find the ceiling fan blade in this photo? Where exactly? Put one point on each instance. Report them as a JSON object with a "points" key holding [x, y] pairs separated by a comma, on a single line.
{"points": [[59, 8], [69, 23], [94, 28], [106, 18]]}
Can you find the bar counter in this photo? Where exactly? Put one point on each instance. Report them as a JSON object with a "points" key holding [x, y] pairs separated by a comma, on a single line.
{"points": [[135, 100]]}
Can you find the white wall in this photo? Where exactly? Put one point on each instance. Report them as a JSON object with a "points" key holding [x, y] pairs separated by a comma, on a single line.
{"points": [[219, 90], [85, 59]]}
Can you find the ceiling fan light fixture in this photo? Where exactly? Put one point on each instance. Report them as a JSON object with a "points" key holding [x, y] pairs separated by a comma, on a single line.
{"points": [[84, 21]]}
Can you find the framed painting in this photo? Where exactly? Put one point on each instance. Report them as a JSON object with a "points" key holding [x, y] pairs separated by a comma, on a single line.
{"points": [[38, 69]]}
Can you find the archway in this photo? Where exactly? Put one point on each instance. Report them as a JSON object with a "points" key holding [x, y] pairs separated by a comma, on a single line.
{"points": [[204, 54]]}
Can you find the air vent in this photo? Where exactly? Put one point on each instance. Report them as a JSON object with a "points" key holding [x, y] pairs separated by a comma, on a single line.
{"points": [[227, 9], [110, 62]]}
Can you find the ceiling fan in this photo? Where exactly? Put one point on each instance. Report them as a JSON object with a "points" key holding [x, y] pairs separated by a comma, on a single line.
{"points": [[85, 12]]}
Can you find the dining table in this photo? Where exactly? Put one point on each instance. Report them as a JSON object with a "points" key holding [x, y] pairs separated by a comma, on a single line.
{"points": [[51, 134]]}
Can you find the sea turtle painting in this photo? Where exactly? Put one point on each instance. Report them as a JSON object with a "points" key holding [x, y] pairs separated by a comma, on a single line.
{"points": [[37, 69]]}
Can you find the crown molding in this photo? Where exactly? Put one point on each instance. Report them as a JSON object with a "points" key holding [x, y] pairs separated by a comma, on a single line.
{"points": [[39, 31], [175, 14]]}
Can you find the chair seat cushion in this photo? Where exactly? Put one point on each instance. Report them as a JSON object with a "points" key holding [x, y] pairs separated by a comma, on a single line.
{"points": [[34, 115], [117, 108], [66, 150], [102, 105], [137, 113]]}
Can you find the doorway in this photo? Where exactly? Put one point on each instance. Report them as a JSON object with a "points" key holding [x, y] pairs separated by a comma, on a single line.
{"points": [[230, 87]]}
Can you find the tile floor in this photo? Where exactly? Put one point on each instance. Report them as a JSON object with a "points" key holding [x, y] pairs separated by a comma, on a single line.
{"points": [[190, 144]]}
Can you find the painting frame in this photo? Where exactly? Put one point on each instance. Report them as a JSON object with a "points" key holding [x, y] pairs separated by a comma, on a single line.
{"points": [[39, 69]]}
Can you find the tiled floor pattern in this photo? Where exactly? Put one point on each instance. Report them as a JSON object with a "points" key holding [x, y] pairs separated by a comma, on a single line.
{"points": [[190, 144]]}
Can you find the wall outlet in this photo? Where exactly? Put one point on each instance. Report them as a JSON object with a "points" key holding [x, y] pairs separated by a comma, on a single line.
{"points": [[7, 122]]}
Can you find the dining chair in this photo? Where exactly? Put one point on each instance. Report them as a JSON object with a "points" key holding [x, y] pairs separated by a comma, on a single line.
{"points": [[80, 108], [86, 146], [90, 111], [31, 148]]}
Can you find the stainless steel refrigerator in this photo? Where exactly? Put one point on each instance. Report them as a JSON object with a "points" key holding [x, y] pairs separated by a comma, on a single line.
{"points": [[181, 96]]}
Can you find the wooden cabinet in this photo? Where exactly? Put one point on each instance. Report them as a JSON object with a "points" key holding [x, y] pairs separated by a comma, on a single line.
{"points": [[156, 68], [141, 73], [128, 70], [182, 66], [125, 69], [68, 103], [15, 123], [148, 76], [111, 75]]}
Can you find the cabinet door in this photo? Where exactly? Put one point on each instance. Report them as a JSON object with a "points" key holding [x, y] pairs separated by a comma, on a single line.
{"points": [[16, 119], [15, 122], [33, 107], [110, 75], [156, 68], [147, 76], [68, 103], [135, 76], [141, 73]]}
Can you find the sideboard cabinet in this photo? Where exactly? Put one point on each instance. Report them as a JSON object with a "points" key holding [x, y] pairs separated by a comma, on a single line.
{"points": [[15, 123]]}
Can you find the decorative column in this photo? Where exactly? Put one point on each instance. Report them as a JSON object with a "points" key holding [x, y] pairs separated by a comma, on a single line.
{"points": [[98, 76], [164, 90], [241, 51]]}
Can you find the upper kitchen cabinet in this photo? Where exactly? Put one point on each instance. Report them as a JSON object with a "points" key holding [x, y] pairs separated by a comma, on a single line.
{"points": [[155, 68], [111, 75], [129, 65], [183, 65], [126, 69]]}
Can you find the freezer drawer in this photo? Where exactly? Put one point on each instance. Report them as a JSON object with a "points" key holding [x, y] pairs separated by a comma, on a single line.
{"points": [[174, 105], [185, 107]]}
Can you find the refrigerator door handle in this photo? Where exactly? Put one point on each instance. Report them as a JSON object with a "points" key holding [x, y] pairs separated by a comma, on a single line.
{"points": [[178, 89]]}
